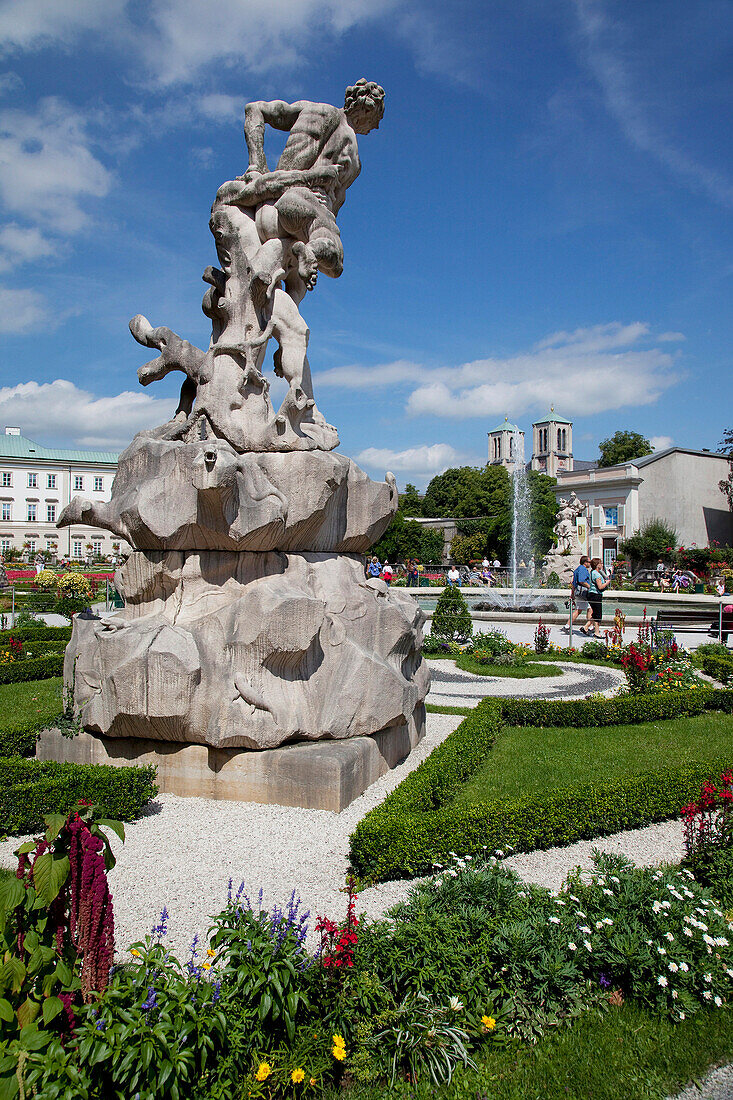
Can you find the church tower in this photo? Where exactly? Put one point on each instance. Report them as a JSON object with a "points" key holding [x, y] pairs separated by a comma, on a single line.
{"points": [[504, 440], [552, 444]]}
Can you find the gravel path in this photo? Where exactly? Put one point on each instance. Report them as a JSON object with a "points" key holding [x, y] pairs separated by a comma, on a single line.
{"points": [[718, 1085], [451, 684]]}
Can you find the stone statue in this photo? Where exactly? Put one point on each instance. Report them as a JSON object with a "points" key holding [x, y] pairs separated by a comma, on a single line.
{"points": [[565, 555], [248, 621]]}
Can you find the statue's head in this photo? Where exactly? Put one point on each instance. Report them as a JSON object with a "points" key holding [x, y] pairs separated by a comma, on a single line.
{"points": [[364, 105]]}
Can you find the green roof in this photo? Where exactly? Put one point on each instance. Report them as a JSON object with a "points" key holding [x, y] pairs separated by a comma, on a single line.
{"points": [[506, 426], [17, 446], [553, 418]]}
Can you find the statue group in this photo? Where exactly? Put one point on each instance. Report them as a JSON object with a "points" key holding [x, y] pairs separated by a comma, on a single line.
{"points": [[248, 622], [565, 555]]}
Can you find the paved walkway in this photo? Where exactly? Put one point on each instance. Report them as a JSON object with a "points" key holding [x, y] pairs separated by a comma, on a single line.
{"points": [[453, 687]]}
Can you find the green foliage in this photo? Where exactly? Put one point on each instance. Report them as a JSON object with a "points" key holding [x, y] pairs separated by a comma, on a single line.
{"points": [[31, 789], [432, 646], [38, 633], [656, 539], [467, 548], [451, 618], [553, 580], [404, 538], [410, 502], [37, 668], [623, 446], [25, 709], [720, 668], [41, 958], [423, 820]]}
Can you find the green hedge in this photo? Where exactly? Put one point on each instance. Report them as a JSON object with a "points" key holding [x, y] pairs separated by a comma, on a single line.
{"points": [[419, 824], [40, 647], [37, 668], [37, 633], [617, 711], [31, 788], [720, 668]]}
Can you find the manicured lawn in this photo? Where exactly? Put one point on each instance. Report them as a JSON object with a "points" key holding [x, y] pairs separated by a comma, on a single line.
{"points": [[525, 760], [514, 672], [35, 700], [625, 1054], [433, 708]]}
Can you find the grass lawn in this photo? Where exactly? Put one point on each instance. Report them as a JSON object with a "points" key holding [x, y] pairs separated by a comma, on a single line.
{"points": [[525, 760], [625, 1054], [38, 701], [514, 672]]}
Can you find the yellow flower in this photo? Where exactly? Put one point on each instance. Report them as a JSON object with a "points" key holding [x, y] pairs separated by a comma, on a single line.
{"points": [[135, 952], [206, 966], [210, 953], [297, 1076], [338, 1040], [489, 1023], [263, 1071], [313, 1080], [339, 1053]]}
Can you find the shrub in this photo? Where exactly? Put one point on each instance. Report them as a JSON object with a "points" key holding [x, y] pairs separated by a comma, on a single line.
{"points": [[38, 668], [30, 789], [451, 618], [541, 637], [719, 668], [432, 645], [616, 711], [553, 580], [45, 580], [491, 644], [37, 633]]}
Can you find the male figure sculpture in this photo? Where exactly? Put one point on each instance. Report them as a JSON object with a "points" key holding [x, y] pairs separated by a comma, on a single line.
{"points": [[296, 205]]}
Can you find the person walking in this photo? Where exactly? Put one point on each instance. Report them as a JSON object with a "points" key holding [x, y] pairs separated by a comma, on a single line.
{"points": [[579, 593], [387, 573], [599, 582], [413, 577]]}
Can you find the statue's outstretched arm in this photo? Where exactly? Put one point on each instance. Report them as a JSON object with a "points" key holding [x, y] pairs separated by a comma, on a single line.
{"points": [[279, 114]]}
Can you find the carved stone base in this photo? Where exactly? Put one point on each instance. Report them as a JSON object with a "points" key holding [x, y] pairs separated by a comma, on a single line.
{"points": [[247, 650], [327, 775], [562, 564]]}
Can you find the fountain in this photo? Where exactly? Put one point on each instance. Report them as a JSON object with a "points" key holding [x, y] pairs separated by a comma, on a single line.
{"points": [[521, 545]]}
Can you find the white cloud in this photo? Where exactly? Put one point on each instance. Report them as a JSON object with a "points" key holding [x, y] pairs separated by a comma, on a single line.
{"points": [[47, 169], [661, 442], [25, 25], [609, 62], [19, 244], [60, 409], [586, 371], [22, 311], [427, 459]]}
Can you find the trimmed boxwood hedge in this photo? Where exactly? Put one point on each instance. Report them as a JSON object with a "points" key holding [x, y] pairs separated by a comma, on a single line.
{"points": [[419, 824], [720, 668], [29, 789], [620, 710], [37, 633], [36, 668]]}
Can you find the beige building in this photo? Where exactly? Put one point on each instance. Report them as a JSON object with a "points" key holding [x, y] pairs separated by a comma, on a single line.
{"points": [[36, 484], [552, 445], [677, 485]]}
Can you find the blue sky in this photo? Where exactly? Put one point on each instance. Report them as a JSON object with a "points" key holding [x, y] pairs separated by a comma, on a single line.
{"points": [[543, 216]]}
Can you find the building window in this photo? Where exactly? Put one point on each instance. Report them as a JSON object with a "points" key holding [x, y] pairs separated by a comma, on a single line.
{"points": [[97, 547], [32, 481], [50, 513], [98, 485], [31, 546], [5, 545], [609, 556], [32, 513], [611, 516], [78, 483], [51, 481], [7, 511], [77, 548], [7, 480]]}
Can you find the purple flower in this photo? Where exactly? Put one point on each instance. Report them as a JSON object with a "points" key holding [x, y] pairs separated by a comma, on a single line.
{"points": [[150, 1001], [161, 928], [605, 982], [101, 1025]]}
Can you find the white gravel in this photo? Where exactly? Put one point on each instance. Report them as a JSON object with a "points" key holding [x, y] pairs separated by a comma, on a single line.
{"points": [[718, 1085], [452, 685]]}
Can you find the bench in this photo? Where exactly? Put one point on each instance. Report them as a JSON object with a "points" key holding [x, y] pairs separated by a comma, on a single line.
{"points": [[694, 621]]}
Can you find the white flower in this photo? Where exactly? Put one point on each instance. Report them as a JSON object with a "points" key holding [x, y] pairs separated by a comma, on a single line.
{"points": [[729, 972], [707, 995], [681, 1016], [599, 924], [615, 878], [498, 854], [673, 967], [718, 1001], [587, 944], [608, 921], [573, 898], [661, 980], [684, 967], [687, 931], [609, 892], [573, 946], [707, 977], [554, 920], [661, 951], [559, 902], [709, 940], [675, 994], [669, 936], [721, 941], [455, 1004], [578, 913], [585, 928]]}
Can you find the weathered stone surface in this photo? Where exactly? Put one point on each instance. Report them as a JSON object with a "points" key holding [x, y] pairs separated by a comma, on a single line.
{"points": [[249, 649], [326, 775], [204, 496]]}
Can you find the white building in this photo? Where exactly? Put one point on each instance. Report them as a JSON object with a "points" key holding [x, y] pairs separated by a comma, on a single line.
{"points": [[504, 440], [36, 483], [677, 485]]}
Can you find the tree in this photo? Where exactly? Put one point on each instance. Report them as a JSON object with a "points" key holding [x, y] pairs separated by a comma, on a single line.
{"points": [[410, 501], [451, 618], [726, 487], [656, 540], [467, 548], [623, 446], [404, 538]]}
